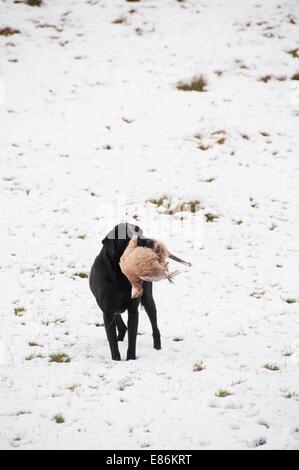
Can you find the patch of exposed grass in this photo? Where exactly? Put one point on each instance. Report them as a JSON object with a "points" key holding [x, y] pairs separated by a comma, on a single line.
{"points": [[34, 3], [267, 78], [260, 442], [159, 201], [238, 221], [211, 217], [33, 344], [73, 387], [8, 31], [198, 84], [290, 395], [171, 207], [295, 76], [178, 339], [120, 20], [257, 294], [23, 413], [19, 311], [60, 358], [199, 366], [272, 367], [287, 354], [59, 419], [81, 275], [223, 393], [291, 301], [294, 53], [57, 321], [31, 357]]}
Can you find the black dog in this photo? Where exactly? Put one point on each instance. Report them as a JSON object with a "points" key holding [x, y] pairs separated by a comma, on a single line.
{"points": [[112, 291]]}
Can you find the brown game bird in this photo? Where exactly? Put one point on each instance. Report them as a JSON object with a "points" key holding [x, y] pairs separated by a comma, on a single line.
{"points": [[140, 264]]}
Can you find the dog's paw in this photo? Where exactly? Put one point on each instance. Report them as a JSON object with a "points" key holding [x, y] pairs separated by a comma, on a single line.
{"points": [[131, 357], [116, 357]]}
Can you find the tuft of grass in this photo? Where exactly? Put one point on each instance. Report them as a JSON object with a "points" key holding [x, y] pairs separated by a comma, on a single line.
{"points": [[198, 84], [33, 344], [59, 419], [23, 413], [73, 387], [291, 301], [81, 275], [257, 294], [19, 311], [211, 217], [223, 393], [290, 395], [295, 76], [57, 321], [267, 78], [159, 201], [120, 20], [8, 31], [31, 357], [34, 3], [294, 53], [60, 358], [199, 366], [178, 339], [272, 367], [260, 442], [172, 209], [265, 134], [238, 221]]}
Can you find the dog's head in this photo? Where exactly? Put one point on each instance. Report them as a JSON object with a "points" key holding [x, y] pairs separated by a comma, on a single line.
{"points": [[117, 240]]}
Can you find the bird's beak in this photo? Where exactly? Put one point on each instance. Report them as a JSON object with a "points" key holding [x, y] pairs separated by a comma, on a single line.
{"points": [[175, 258]]}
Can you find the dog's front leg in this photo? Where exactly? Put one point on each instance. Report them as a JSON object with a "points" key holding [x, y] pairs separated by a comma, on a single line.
{"points": [[132, 331], [110, 326]]}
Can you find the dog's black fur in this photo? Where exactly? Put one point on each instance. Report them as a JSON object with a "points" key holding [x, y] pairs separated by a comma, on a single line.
{"points": [[112, 291]]}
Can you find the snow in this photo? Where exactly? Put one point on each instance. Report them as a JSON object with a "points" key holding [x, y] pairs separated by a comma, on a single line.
{"points": [[92, 127]]}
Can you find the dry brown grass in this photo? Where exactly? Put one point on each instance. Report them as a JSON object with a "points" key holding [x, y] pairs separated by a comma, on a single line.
{"points": [[198, 84], [7, 31], [170, 208], [267, 78], [34, 3], [294, 53]]}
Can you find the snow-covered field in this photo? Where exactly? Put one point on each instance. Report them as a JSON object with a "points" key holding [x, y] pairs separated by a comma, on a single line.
{"points": [[93, 127]]}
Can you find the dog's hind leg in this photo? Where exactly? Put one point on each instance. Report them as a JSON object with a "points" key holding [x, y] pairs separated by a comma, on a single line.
{"points": [[133, 316], [148, 302], [121, 328], [110, 326]]}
